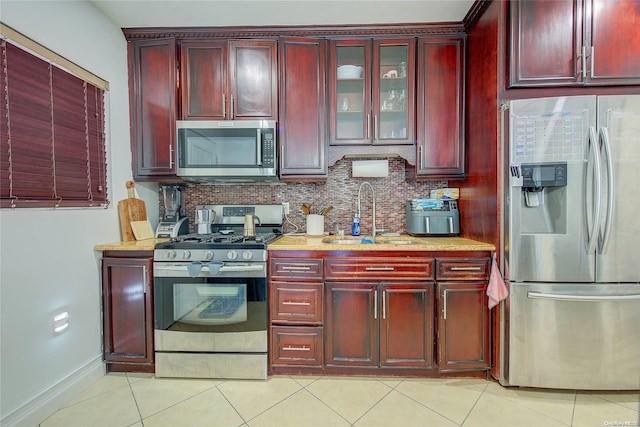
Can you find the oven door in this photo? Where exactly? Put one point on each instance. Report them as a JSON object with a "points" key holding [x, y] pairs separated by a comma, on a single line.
{"points": [[200, 311]]}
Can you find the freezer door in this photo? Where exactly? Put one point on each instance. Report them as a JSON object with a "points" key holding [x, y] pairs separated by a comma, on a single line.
{"points": [[573, 336], [619, 131]]}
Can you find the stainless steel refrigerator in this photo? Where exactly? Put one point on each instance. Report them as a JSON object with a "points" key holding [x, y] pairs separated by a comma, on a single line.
{"points": [[572, 243]]}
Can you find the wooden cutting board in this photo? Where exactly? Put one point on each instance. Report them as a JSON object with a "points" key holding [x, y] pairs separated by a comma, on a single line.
{"points": [[130, 209]]}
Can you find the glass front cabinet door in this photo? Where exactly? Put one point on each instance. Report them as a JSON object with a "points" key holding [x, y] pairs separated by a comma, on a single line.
{"points": [[373, 91]]}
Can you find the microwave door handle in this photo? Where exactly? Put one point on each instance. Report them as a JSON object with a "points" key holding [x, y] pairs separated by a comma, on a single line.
{"points": [[259, 150], [426, 225], [450, 224]]}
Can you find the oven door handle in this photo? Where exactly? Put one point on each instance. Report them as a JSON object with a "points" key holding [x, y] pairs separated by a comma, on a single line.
{"points": [[181, 270]]}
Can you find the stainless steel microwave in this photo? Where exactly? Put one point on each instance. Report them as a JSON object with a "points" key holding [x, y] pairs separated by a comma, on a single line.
{"points": [[227, 150]]}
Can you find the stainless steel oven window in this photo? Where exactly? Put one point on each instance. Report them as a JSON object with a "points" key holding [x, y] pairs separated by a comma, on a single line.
{"points": [[210, 304]]}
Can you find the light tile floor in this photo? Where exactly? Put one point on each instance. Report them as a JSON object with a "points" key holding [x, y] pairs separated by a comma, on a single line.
{"points": [[121, 400]]}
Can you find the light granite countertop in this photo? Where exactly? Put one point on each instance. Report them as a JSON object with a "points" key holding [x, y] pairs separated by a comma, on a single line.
{"points": [[309, 243], [134, 245]]}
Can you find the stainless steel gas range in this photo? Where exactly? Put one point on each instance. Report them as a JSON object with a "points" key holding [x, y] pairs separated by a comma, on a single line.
{"points": [[210, 296]]}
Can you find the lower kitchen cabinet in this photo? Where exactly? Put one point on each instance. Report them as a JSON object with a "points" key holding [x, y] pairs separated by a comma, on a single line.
{"points": [[379, 313], [386, 324], [127, 304], [463, 314], [352, 324], [296, 345], [406, 328], [296, 305]]}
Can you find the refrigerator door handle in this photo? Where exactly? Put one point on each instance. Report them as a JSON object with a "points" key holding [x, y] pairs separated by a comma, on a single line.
{"points": [[582, 298], [595, 150], [604, 237]]}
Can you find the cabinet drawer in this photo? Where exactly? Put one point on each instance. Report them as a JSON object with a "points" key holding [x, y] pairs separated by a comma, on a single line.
{"points": [[296, 302], [285, 268], [462, 268], [379, 268], [296, 345]]}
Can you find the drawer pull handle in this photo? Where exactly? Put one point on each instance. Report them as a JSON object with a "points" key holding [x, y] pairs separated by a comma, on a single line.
{"points": [[303, 348], [292, 267], [295, 303], [379, 268], [466, 268]]}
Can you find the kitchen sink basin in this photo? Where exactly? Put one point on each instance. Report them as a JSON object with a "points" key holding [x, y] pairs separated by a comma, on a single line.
{"points": [[368, 242], [344, 242], [399, 242]]}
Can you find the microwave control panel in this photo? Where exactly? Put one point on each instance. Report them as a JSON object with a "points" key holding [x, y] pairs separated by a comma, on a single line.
{"points": [[268, 149]]}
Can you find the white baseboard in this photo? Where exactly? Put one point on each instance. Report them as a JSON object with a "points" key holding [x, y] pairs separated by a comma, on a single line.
{"points": [[58, 395]]}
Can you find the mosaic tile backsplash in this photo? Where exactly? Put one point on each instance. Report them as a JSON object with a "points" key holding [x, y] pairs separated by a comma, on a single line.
{"points": [[340, 191]]}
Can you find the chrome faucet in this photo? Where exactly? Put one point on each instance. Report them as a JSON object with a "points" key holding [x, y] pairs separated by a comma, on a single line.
{"points": [[373, 207]]}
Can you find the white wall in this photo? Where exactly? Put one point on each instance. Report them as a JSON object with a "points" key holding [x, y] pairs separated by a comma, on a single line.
{"points": [[47, 262]]}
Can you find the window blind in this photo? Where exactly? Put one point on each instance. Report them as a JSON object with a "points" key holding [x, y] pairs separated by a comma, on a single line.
{"points": [[52, 141]]}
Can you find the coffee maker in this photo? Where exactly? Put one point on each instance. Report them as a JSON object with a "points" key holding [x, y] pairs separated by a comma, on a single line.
{"points": [[174, 221]]}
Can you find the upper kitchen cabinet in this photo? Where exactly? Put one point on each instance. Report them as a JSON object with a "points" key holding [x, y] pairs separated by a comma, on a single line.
{"points": [[574, 42], [302, 108], [440, 148], [153, 106], [228, 79], [372, 91]]}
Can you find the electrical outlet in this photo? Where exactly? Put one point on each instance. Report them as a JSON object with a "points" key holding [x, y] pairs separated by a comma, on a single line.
{"points": [[285, 207]]}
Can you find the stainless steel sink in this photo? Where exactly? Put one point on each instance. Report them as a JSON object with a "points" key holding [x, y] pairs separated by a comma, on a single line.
{"points": [[399, 242], [360, 242], [345, 242]]}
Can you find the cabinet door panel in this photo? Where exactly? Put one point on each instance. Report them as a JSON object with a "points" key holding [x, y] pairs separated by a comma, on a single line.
{"points": [[302, 108], [127, 310], [350, 101], [441, 108], [204, 77], [406, 330], [615, 26], [254, 79], [463, 326], [546, 42], [154, 106], [393, 91], [351, 324]]}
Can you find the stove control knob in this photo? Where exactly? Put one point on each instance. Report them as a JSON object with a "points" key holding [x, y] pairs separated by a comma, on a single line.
{"points": [[171, 254], [247, 255], [208, 256], [186, 254], [232, 254]]}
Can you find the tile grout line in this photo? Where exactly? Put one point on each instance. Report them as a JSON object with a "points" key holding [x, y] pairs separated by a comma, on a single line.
{"points": [[141, 421]]}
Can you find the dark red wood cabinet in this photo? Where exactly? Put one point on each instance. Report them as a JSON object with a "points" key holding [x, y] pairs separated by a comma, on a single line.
{"points": [[153, 107], [127, 302], [379, 324], [463, 314], [351, 323], [372, 91], [302, 108], [440, 147], [229, 79], [574, 43], [406, 325]]}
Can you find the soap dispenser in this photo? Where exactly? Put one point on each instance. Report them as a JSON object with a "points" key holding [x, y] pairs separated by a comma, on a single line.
{"points": [[355, 229]]}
